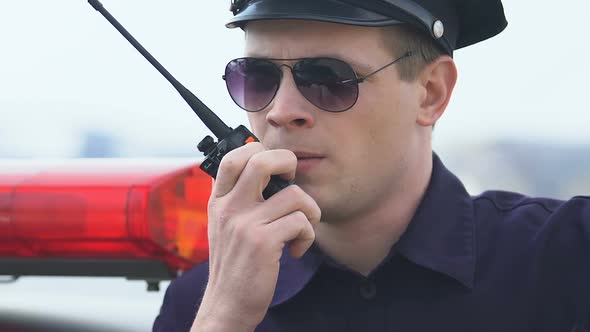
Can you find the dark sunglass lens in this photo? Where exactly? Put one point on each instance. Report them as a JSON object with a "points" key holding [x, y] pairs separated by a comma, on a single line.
{"points": [[252, 83], [330, 84]]}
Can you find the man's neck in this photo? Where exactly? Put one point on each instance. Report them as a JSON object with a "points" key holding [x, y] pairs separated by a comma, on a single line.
{"points": [[362, 243]]}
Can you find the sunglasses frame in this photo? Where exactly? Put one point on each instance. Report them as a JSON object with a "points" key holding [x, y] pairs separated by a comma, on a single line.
{"points": [[356, 80]]}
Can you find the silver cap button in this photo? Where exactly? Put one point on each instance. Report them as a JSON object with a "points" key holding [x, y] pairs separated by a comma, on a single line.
{"points": [[438, 29]]}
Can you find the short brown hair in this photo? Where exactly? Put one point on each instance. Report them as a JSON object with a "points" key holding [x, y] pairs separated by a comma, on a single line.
{"points": [[402, 38]]}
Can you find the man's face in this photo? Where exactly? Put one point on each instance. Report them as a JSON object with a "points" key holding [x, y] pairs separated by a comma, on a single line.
{"points": [[360, 155]]}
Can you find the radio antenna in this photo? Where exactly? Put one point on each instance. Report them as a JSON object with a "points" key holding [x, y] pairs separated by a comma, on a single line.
{"points": [[211, 120]]}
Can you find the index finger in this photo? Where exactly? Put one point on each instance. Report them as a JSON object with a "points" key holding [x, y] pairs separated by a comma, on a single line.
{"points": [[231, 167]]}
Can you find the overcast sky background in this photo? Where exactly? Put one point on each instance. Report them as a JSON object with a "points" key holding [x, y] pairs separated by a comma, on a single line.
{"points": [[64, 70]]}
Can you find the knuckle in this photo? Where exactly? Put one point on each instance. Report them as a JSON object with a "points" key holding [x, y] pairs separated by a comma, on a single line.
{"points": [[306, 202], [297, 219], [299, 216], [264, 161], [296, 192], [229, 165], [247, 235], [256, 146], [233, 159], [288, 155], [248, 149], [233, 154], [240, 232], [225, 216], [257, 241], [260, 163], [316, 211], [316, 216]]}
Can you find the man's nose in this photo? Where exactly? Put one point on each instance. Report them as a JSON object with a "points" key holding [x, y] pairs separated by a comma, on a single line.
{"points": [[289, 108]]}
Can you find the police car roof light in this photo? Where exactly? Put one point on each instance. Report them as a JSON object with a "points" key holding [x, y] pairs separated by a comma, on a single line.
{"points": [[102, 210]]}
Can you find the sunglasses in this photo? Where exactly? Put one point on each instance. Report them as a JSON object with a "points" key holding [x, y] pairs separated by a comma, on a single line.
{"points": [[328, 83]]}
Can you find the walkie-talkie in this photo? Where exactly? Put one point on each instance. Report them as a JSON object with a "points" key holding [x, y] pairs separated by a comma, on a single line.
{"points": [[229, 138]]}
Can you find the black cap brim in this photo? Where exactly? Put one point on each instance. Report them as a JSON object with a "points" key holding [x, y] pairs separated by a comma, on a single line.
{"points": [[325, 11], [452, 23]]}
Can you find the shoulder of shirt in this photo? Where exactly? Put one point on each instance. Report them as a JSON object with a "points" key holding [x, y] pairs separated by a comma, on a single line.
{"points": [[505, 201], [540, 242], [191, 282], [522, 217], [182, 300]]}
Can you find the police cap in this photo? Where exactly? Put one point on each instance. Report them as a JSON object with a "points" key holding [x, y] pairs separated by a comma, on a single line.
{"points": [[453, 24]]}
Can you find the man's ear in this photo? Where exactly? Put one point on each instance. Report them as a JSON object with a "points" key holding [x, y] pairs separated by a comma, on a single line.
{"points": [[438, 81]]}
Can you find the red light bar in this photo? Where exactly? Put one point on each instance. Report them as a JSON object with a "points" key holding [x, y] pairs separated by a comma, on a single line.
{"points": [[104, 209]]}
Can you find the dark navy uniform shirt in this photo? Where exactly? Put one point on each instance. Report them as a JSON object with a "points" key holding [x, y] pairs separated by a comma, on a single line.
{"points": [[499, 261]]}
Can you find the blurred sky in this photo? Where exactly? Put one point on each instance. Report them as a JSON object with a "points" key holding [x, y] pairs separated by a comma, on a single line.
{"points": [[64, 70]]}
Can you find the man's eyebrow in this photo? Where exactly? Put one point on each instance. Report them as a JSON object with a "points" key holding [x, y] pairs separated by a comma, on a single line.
{"points": [[358, 67]]}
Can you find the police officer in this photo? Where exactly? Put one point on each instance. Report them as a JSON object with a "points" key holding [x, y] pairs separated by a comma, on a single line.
{"points": [[375, 234]]}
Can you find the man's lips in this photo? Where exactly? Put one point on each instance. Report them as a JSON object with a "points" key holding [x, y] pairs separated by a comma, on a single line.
{"points": [[307, 161], [307, 155]]}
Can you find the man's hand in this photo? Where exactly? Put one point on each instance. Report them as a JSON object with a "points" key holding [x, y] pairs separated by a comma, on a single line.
{"points": [[247, 235]]}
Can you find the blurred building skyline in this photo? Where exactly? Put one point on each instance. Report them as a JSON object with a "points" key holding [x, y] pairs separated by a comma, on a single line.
{"points": [[532, 168]]}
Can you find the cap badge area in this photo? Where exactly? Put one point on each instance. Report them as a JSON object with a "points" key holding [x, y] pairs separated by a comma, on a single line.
{"points": [[438, 29]]}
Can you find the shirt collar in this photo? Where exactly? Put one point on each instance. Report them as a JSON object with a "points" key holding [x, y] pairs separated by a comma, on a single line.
{"points": [[440, 237]]}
